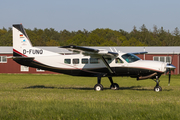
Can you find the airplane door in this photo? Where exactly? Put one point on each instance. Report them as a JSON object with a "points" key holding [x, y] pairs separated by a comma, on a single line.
{"points": [[121, 67]]}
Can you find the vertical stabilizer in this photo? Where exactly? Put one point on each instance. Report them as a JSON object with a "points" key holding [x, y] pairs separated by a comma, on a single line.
{"points": [[20, 40], [22, 45]]}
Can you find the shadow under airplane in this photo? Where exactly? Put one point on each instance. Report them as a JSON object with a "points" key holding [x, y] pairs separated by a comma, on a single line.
{"points": [[138, 88]]}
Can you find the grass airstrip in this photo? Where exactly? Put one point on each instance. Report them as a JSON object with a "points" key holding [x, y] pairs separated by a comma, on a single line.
{"points": [[62, 97]]}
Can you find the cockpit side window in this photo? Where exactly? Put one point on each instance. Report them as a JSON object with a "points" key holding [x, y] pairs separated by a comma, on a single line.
{"points": [[130, 57], [118, 60]]}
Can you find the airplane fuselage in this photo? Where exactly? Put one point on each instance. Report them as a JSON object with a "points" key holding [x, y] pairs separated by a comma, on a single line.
{"points": [[81, 65]]}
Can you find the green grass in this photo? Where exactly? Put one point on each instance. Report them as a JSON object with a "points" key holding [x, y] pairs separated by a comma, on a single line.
{"points": [[62, 97]]}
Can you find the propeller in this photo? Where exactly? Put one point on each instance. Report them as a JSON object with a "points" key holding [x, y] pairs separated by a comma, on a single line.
{"points": [[170, 67]]}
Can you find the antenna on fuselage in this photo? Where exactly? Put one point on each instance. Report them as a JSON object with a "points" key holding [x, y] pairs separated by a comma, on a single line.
{"points": [[115, 49], [111, 50]]}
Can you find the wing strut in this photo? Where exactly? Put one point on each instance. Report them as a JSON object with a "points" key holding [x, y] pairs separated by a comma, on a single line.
{"points": [[107, 65]]}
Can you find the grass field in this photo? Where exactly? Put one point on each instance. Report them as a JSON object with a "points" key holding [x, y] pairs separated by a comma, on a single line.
{"points": [[61, 97]]}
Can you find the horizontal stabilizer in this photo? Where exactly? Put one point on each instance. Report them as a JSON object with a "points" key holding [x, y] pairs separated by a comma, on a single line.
{"points": [[19, 57]]}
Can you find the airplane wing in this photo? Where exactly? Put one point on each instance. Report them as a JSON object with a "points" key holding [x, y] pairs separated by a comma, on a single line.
{"points": [[101, 53], [137, 53], [90, 51]]}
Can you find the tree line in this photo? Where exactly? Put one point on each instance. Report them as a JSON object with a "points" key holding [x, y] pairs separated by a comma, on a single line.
{"points": [[97, 37]]}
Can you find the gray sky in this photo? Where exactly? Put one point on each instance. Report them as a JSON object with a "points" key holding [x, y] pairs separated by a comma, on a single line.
{"points": [[76, 15]]}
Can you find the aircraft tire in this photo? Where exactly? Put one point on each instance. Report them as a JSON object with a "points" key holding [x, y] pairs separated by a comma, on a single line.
{"points": [[98, 87], [157, 88], [114, 86]]}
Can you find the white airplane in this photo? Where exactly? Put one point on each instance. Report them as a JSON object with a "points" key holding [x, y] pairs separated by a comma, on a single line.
{"points": [[88, 62]]}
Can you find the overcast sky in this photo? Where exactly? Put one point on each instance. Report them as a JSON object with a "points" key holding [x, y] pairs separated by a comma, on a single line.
{"points": [[76, 15]]}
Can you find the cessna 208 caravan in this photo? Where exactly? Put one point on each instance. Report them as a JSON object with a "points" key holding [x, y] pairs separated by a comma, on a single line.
{"points": [[88, 62]]}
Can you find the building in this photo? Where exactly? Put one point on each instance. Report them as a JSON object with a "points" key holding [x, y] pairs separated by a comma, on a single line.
{"points": [[165, 54]]}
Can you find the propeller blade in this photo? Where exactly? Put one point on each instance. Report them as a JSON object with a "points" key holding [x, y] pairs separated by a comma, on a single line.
{"points": [[169, 77]]}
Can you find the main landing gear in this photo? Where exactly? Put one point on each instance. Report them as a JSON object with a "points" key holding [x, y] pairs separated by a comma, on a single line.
{"points": [[157, 88], [99, 86]]}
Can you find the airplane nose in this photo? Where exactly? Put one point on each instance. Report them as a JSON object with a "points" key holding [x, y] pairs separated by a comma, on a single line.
{"points": [[170, 66]]}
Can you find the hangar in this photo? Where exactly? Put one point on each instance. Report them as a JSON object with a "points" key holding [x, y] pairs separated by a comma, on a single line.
{"points": [[165, 54]]}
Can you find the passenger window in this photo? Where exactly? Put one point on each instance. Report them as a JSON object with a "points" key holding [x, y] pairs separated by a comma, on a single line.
{"points": [[94, 60], [118, 60], [75, 61], [67, 61], [84, 61]]}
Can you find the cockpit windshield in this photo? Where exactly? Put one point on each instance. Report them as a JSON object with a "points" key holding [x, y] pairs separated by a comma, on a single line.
{"points": [[130, 57]]}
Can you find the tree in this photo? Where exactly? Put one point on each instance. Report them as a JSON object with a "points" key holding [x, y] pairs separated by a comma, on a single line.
{"points": [[155, 31], [132, 42], [176, 31], [95, 40], [52, 43], [78, 39], [97, 37]]}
